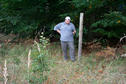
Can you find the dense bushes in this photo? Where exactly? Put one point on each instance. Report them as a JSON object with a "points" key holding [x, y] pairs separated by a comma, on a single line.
{"points": [[112, 25], [27, 18]]}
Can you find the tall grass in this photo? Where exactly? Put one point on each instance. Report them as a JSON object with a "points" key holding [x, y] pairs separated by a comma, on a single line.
{"points": [[88, 71], [16, 63]]}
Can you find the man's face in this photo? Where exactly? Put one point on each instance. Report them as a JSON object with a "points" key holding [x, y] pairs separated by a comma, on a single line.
{"points": [[67, 21]]}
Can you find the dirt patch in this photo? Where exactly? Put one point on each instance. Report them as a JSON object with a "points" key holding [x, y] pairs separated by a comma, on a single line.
{"points": [[4, 37], [91, 47], [107, 54]]}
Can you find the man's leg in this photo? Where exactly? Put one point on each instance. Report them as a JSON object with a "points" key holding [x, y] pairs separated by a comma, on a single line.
{"points": [[71, 50], [64, 49]]}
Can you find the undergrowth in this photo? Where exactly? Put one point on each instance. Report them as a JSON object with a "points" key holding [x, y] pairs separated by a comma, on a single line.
{"points": [[88, 71]]}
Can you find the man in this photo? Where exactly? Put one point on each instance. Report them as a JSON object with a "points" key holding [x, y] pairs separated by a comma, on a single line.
{"points": [[66, 30]]}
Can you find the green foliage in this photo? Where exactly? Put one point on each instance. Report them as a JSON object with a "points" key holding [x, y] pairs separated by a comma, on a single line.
{"points": [[107, 17], [21, 16], [111, 19], [27, 18], [112, 25]]}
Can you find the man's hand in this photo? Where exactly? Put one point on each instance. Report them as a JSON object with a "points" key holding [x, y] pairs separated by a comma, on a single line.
{"points": [[58, 31], [74, 32]]}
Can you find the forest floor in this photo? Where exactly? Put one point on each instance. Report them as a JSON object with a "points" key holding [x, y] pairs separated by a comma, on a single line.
{"points": [[96, 66]]}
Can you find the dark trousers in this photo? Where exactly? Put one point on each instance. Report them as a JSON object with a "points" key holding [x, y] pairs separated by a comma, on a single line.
{"points": [[70, 45]]}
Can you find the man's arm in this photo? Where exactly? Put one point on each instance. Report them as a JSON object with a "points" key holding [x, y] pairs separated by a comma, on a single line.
{"points": [[58, 31], [57, 28], [74, 30]]}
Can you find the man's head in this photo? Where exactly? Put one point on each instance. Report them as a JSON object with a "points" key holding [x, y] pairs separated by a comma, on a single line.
{"points": [[67, 20]]}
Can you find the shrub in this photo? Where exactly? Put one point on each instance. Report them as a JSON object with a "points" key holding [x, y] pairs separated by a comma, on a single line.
{"points": [[39, 64]]}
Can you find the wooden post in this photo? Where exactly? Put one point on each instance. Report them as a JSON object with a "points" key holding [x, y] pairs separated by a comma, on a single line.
{"points": [[80, 35]]}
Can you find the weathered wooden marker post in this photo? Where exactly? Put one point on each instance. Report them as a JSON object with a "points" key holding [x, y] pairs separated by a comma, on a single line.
{"points": [[80, 36]]}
